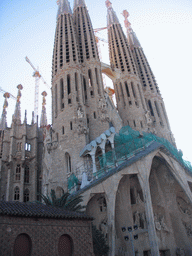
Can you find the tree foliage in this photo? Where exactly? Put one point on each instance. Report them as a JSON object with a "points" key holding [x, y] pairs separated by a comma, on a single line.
{"points": [[100, 246], [65, 202]]}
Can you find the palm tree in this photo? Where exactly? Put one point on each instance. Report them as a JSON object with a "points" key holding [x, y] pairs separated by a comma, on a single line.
{"points": [[64, 202], [100, 246]]}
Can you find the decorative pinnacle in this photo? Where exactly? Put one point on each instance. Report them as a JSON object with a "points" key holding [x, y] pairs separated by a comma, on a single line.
{"points": [[6, 96], [108, 4], [126, 22], [79, 3], [64, 7], [44, 94], [111, 15], [131, 36], [20, 87], [43, 121]]}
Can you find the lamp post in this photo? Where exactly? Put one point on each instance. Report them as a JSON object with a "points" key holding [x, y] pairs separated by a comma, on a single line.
{"points": [[132, 237]]}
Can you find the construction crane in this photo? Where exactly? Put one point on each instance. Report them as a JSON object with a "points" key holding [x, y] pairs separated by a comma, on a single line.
{"points": [[3, 91], [37, 76]]}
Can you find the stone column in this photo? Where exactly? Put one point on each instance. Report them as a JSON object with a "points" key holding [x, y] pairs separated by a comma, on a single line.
{"points": [[21, 187], [153, 239], [111, 222], [94, 164], [8, 184]]}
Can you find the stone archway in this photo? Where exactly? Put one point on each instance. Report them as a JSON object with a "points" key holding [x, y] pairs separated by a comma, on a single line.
{"points": [[130, 211], [171, 208], [97, 208]]}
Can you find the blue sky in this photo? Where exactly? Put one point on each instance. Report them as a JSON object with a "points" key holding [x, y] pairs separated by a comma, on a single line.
{"points": [[164, 30]]}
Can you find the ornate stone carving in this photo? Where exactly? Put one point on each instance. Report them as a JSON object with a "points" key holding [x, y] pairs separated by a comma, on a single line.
{"points": [[184, 206], [150, 124], [80, 113], [188, 228], [180, 252], [140, 219], [82, 128], [104, 227], [102, 106], [160, 222]]}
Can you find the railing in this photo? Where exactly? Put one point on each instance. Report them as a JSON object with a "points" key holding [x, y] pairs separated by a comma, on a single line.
{"points": [[127, 143]]}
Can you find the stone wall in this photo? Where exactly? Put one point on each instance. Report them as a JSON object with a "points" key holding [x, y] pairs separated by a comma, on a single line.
{"points": [[45, 235]]}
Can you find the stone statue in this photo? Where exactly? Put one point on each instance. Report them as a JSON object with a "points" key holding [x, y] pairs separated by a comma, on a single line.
{"points": [[80, 113], [180, 252], [188, 228], [102, 104], [148, 117], [160, 223], [157, 222], [137, 218], [104, 227], [138, 199]]}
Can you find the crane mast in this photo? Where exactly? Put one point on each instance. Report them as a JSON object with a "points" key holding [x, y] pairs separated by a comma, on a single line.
{"points": [[3, 91], [37, 76]]}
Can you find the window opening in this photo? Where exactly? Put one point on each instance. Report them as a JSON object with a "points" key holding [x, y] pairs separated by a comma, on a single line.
{"points": [[62, 93], [157, 109], [133, 90], [55, 100], [18, 172], [16, 194], [71, 126], [26, 174], [26, 195], [68, 162], [127, 89], [94, 114], [150, 107], [63, 130], [85, 88]]}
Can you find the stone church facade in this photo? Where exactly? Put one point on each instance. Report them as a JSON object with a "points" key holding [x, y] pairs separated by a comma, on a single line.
{"points": [[123, 160]]}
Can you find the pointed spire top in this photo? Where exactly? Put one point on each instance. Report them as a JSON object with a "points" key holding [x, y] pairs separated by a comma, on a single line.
{"points": [[17, 114], [131, 36], [79, 3], [33, 117], [64, 7], [3, 120], [111, 15], [25, 119], [43, 121]]}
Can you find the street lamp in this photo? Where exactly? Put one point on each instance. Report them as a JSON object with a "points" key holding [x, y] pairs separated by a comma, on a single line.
{"points": [[132, 237]]}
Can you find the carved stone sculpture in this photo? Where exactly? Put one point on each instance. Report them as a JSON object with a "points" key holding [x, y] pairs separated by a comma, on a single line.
{"points": [[180, 252]]}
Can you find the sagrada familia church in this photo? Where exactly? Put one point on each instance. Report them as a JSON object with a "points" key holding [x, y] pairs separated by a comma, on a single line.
{"points": [[122, 159]]}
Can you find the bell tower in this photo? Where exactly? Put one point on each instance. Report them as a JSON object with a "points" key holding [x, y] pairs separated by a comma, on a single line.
{"points": [[69, 132], [153, 98], [128, 90], [91, 79]]}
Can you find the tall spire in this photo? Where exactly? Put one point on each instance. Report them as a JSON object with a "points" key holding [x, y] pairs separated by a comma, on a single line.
{"points": [[3, 120], [43, 121], [79, 3], [111, 15], [155, 113], [64, 7], [131, 36], [17, 114]]}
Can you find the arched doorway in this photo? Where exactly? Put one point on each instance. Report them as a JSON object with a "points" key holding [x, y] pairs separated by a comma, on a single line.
{"points": [[22, 245], [99, 159], [65, 246], [171, 208]]}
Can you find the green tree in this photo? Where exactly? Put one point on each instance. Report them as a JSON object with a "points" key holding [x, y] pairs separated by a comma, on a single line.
{"points": [[100, 246], [65, 202]]}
